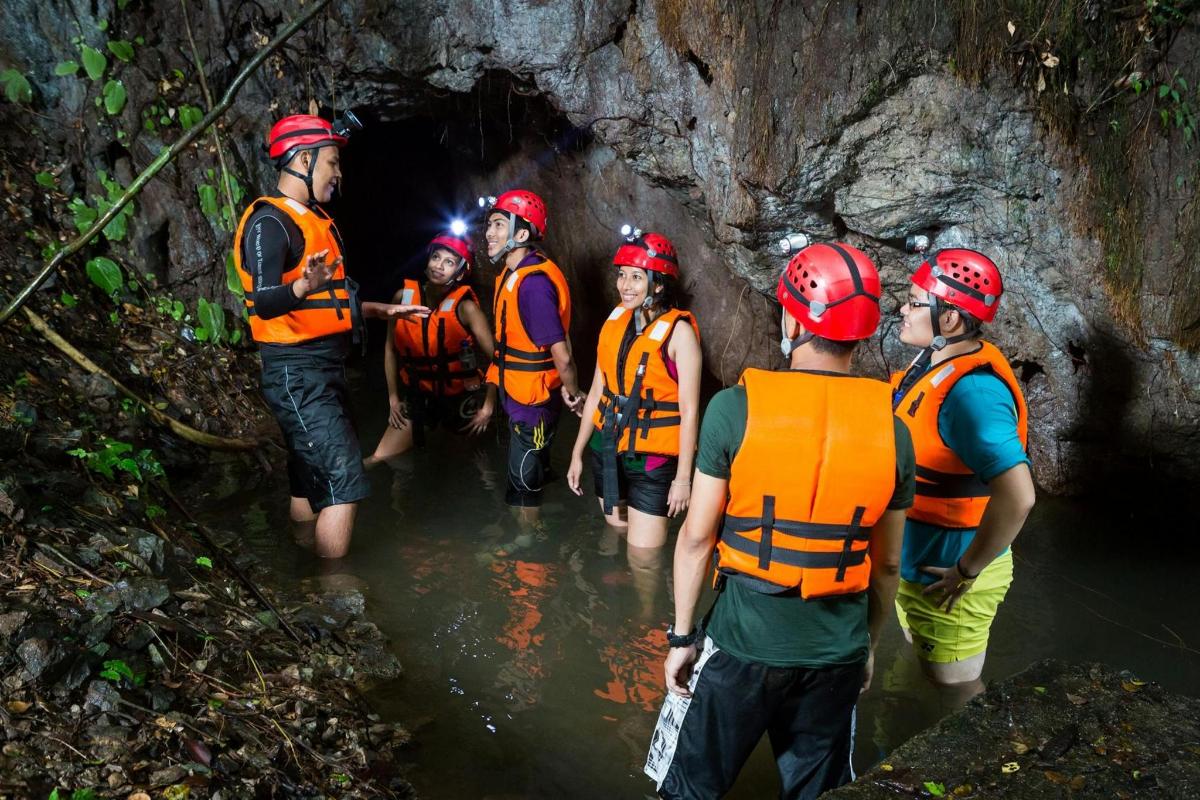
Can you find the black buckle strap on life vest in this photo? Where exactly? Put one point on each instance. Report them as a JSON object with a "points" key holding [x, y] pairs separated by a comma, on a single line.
{"points": [[803, 530], [501, 347], [768, 530], [950, 484], [852, 533], [795, 558], [358, 331]]}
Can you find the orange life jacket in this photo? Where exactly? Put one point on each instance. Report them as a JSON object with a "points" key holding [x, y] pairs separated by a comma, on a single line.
{"points": [[949, 494], [816, 469], [436, 353], [328, 311], [640, 407], [521, 369]]}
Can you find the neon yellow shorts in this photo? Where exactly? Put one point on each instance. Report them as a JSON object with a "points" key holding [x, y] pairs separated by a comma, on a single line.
{"points": [[942, 637]]}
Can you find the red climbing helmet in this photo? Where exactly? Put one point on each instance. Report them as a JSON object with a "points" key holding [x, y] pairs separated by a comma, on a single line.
{"points": [[526, 205], [460, 246], [299, 132], [649, 251], [965, 279], [832, 290]]}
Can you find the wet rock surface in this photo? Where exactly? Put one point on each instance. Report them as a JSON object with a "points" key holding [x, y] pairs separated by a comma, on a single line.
{"points": [[1054, 730]]}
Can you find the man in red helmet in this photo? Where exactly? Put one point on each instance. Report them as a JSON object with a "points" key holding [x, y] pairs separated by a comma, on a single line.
{"points": [[533, 367], [802, 479], [964, 408], [303, 312]]}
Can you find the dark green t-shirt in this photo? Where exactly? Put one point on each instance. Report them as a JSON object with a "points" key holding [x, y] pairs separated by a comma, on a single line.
{"points": [[786, 630]]}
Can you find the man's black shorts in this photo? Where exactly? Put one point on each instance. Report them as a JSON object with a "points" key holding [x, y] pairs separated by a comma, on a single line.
{"points": [[307, 394], [451, 412], [638, 488], [528, 462]]}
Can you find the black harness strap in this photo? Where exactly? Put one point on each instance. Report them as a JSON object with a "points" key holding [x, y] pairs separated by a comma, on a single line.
{"points": [[852, 533], [765, 545]]}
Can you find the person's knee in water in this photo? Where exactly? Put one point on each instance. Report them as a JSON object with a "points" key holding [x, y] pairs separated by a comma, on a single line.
{"points": [[303, 312], [432, 363], [964, 408], [532, 369], [790, 642], [643, 405]]}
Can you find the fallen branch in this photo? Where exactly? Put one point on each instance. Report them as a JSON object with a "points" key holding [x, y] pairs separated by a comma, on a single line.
{"points": [[164, 158], [178, 428]]}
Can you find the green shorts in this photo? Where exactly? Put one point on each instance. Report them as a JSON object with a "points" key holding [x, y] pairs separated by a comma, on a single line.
{"points": [[942, 637]]}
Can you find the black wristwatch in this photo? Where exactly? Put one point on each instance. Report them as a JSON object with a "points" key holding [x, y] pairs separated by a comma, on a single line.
{"points": [[675, 640]]}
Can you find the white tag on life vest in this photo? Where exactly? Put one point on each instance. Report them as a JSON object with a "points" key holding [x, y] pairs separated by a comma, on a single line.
{"points": [[406, 297], [617, 313], [299, 208], [660, 330], [448, 304], [511, 282], [943, 373]]}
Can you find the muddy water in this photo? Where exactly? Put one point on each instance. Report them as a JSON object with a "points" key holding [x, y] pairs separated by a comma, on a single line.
{"points": [[533, 662]]}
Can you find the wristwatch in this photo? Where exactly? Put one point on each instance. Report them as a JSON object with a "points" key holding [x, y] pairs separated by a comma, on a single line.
{"points": [[675, 640]]}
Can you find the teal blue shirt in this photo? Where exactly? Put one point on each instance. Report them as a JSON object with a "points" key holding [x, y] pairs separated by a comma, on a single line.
{"points": [[978, 421]]}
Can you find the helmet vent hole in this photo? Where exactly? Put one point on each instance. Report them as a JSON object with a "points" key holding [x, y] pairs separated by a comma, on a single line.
{"points": [[812, 284], [805, 273]]}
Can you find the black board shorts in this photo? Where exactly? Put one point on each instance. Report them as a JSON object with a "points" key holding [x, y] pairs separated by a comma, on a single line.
{"points": [[646, 491], [307, 394]]}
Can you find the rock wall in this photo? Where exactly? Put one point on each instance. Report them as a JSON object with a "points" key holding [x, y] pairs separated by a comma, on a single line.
{"points": [[724, 125]]}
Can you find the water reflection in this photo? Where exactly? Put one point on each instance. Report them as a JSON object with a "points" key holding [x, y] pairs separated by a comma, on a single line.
{"points": [[534, 655]]}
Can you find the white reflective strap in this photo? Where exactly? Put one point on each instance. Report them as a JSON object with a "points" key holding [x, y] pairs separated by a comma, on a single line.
{"points": [[943, 373], [617, 313], [511, 282], [660, 330], [406, 297], [448, 304], [299, 208]]}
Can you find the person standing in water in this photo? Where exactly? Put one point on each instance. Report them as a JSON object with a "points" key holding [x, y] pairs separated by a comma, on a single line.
{"points": [[644, 402], [431, 363], [532, 368], [802, 479], [963, 405], [304, 312]]}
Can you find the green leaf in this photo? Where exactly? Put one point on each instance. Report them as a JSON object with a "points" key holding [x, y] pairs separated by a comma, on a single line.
{"points": [[121, 49], [235, 336], [84, 214], [233, 280], [94, 62], [114, 319], [1182, 83], [189, 116], [44, 179], [114, 97], [16, 87], [53, 795], [204, 561], [106, 274], [211, 317], [69, 300], [138, 40], [102, 25], [208, 199], [201, 334], [935, 789], [1163, 91], [66, 68]]}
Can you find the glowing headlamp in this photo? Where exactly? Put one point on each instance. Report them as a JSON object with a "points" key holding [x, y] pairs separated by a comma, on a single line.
{"points": [[458, 227], [630, 232], [487, 202]]}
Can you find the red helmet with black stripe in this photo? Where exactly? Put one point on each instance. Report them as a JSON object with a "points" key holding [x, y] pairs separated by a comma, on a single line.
{"points": [[832, 290], [299, 132], [965, 279], [526, 205], [649, 251]]}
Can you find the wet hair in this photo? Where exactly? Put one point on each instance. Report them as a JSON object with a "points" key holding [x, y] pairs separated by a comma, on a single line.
{"points": [[833, 347]]}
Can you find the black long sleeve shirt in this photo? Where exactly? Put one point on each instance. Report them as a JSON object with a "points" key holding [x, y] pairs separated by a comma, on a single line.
{"points": [[271, 245]]}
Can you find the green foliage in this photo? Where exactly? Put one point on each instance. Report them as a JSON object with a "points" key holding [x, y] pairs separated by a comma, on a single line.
{"points": [[121, 49], [189, 116], [117, 670], [94, 62], [69, 300], [233, 281], [116, 229], [210, 322], [84, 214], [114, 97], [208, 199], [154, 512], [204, 561], [115, 456], [107, 274], [45, 179], [16, 87], [169, 307], [66, 68], [935, 789]]}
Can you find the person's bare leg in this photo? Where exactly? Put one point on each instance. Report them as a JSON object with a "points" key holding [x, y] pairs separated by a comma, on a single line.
{"points": [[393, 442], [304, 522], [956, 681], [646, 530], [645, 564], [335, 524], [618, 518]]}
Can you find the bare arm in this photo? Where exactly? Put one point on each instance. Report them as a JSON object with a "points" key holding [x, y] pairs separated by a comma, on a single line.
{"points": [[589, 413], [1012, 499], [684, 350], [565, 364], [478, 325]]}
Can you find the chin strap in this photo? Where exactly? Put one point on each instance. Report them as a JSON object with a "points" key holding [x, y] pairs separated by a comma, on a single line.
{"points": [[789, 345], [512, 243], [940, 341], [307, 178]]}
